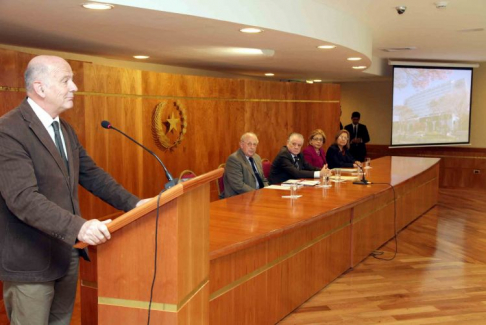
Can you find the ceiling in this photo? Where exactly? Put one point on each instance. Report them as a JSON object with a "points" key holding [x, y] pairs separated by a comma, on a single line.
{"points": [[202, 35]]}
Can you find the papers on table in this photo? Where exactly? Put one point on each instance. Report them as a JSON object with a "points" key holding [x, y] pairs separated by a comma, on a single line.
{"points": [[347, 170], [278, 187], [300, 182]]}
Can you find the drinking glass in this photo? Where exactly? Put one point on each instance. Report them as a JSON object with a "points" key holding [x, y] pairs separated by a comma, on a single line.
{"points": [[337, 173], [367, 163]]}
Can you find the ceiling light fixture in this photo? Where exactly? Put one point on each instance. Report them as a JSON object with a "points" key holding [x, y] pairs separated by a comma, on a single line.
{"points": [[141, 57], [326, 47], [97, 6], [354, 59], [269, 74], [317, 80], [359, 67], [247, 51], [309, 81], [251, 30]]}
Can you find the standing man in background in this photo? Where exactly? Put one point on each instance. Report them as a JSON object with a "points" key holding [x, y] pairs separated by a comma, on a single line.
{"points": [[42, 163], [243, 171], [359, 137]]}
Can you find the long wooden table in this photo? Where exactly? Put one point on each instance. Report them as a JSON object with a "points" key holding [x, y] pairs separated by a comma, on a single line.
{"points": [[269, 254]]}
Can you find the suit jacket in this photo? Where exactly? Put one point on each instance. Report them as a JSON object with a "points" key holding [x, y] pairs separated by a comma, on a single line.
{"points": [[283, 167], [336, 158], [40, 216], [358, 150], [238, 174], [311, 156]]}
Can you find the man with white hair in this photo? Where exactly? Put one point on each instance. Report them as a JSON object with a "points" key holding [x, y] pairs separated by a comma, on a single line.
{"points": [[243, 171], [290, 163]]}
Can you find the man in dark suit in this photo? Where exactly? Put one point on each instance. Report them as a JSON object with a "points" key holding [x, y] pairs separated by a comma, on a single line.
{"points": [[42, 163], [290, 163], [243, 171], [359, 137]]}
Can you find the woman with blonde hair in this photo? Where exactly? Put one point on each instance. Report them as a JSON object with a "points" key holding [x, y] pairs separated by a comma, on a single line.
{"points": [[338, 155], [314, 153]]}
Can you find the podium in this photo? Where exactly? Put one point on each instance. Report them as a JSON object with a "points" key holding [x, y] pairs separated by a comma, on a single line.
{"points": [[116, 286]]}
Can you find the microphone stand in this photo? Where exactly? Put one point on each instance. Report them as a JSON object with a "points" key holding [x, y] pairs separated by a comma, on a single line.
{"points": [[172, 181], [363, 181]]}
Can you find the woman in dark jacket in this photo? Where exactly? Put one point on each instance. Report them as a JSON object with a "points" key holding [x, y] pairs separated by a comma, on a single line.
{"points": [[338, 155]]}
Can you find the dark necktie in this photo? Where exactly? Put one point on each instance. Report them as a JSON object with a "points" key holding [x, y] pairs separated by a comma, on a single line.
{"points": [[60, 147], [355, 131], [296, 162], [255, 171]]}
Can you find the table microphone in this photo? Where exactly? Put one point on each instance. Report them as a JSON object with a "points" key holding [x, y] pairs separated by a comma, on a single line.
{"points": [[172, 181], [363, 181]]}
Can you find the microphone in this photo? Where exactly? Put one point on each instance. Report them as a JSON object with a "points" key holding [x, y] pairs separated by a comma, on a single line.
{"points": [[172, 181], [363, 181]]}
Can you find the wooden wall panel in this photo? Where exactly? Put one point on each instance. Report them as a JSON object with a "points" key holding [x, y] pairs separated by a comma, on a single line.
{"points": [[459, 166], [218, 112]]}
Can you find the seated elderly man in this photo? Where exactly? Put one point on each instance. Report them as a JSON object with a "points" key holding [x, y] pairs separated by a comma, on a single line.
{"points": [[243, 172], [290, 163]]}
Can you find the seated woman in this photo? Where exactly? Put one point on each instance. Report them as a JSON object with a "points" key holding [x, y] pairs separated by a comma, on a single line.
{"points": [[313, 153], [338, 155]]}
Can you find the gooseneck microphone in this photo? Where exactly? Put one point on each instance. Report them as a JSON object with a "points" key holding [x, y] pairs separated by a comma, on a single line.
{"points": [[172, 181], [363, 181]]}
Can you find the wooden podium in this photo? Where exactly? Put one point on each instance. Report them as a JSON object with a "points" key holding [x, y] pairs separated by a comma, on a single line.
{"points": [[120, 277]]}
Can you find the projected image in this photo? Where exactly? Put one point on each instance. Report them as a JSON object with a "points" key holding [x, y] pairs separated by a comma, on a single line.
{"points": [[431, 106]]}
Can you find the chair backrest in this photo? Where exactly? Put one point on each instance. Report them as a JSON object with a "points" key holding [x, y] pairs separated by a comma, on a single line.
{"points": [[220, 183], [266, 164], [186, 175]]}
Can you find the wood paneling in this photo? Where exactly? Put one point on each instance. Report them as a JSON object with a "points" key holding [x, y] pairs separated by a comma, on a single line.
{"points": [[459, 166], [218, 112]]}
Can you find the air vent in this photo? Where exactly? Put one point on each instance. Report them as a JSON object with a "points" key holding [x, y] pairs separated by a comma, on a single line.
{"points": [[398, 49]]}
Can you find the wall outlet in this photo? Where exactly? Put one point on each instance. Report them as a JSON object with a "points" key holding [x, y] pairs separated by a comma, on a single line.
{"points": [[476, 171]]}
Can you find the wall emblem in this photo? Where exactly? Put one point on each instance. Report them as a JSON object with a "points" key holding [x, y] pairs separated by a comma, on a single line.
{"points": [[169, 124]]}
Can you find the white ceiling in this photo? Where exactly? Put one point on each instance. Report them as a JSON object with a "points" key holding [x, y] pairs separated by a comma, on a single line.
{"points": [[199, 34]]}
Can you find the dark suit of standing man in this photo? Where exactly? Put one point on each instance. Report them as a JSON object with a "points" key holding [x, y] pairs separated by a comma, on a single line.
{"points": [[359, 137], [239, 174], [40, 217], [290, 163]]}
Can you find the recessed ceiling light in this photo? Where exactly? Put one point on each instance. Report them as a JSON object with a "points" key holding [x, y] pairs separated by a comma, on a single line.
{"points": [[269, 74], [97, 6], [309, 81], [141, 57], [251, 30], [317, 80], [354, 59], [326, 47], [359, 67]]}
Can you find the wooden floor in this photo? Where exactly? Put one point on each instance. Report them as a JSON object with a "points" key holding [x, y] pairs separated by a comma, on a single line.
{"points": [[438, 276]]}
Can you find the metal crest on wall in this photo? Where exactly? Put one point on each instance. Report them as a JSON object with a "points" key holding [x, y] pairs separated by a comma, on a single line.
{"points": [[169, 124]]}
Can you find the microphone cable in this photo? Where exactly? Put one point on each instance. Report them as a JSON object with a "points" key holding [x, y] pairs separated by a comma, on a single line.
{"points": [[155, 256]]}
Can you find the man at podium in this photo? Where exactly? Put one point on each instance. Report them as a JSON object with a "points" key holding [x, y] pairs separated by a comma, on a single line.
{"points": [[40, 221]]}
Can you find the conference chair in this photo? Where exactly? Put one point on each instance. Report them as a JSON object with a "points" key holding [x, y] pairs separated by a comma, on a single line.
{"points": [[220, 183], [186, 175], [266, 164]]}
